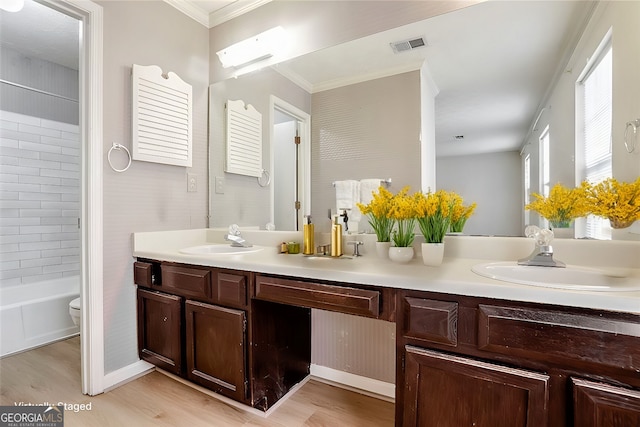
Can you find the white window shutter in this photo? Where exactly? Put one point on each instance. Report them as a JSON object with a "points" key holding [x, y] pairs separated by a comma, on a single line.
{"points": [[162, 119]]}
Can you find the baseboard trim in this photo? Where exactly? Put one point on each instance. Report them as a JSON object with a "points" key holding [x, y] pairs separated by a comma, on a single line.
{"points": [[358, 383], [124, 375]]}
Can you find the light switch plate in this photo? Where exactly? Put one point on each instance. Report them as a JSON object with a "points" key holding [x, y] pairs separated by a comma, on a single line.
{"points": [[219, 185]]}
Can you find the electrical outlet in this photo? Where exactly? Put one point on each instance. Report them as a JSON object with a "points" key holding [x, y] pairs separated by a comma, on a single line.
{"points": [[219, 185], [192, 183]]}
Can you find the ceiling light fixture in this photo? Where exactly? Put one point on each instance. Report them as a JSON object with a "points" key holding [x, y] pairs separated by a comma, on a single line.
{"points": [[256, 48], [12, 5]]}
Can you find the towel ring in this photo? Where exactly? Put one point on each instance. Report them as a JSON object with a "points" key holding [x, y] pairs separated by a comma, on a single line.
{"points": [[634, 124], [264, 179], [117, 146]]}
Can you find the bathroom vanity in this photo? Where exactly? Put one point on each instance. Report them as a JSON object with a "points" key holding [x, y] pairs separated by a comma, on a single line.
{"points": [[469, 350]]}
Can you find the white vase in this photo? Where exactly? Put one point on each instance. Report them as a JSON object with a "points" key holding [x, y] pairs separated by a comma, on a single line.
{"points": [[401, 254], [563, 233], [432, 254], [382, 249]]}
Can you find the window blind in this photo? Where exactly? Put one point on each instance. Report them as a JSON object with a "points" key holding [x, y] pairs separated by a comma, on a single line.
{"points": [[598, 95]]}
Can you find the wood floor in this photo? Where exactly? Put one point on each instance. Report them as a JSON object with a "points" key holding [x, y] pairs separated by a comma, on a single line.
{"points": [[52, 374]]}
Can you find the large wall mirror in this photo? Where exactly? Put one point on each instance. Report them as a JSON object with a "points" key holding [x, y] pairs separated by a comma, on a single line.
{"points": [[503, 72]]}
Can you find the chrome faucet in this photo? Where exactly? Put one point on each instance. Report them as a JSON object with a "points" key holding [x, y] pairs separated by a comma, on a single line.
{"points": [[237, 241], [542, 255], [235, 238]]}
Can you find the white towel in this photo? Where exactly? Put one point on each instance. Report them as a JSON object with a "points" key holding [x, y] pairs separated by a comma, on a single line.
{"points": [[367, 188], [347, 197]]}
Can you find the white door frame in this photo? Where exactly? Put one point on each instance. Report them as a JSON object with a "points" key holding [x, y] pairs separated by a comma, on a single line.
{"points": [[91, 295], [305, 151]]}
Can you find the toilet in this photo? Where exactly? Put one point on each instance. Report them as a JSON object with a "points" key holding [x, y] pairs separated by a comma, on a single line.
{"points": [[74, 311]]}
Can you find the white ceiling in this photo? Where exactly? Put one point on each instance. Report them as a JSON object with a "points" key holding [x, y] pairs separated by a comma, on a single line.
{"points": [[41, 32], [492, 62]]}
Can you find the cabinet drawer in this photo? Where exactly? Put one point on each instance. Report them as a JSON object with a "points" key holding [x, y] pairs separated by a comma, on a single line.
{"points": [[143, 274], [431, 320], [187, 281], [231, 289], [342, 299], [558, 336]]}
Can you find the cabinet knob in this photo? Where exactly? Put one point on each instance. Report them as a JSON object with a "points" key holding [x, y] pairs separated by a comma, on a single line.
{"points": [[165, 319]]}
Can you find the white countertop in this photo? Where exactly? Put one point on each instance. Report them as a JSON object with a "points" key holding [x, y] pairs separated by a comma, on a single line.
{"points": [[454, 276]]}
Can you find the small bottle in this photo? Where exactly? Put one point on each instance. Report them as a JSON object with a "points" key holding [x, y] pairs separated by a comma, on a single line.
{"points": [[336, 237], [308, 236]]}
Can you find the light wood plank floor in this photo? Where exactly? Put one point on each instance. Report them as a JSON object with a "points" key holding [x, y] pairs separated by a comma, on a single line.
{"points": [[52, 374]]}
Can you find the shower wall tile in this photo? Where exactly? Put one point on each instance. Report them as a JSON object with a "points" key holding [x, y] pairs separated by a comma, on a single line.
{"points": [[40, 193]]}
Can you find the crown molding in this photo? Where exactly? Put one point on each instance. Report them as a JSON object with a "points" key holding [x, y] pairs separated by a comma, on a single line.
{"points": [[192, 11], [234, 10], [217, 17]]}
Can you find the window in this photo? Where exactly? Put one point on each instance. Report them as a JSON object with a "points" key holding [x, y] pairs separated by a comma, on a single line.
{"points": [[595, 99], [545, 184], [527, 187]]}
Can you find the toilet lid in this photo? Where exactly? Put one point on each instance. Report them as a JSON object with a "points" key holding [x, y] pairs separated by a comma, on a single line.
{"points": [[75, 303]]}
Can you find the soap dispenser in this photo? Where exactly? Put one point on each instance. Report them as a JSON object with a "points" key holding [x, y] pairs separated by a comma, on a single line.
{"points": [[336, 237], [307, 237]]}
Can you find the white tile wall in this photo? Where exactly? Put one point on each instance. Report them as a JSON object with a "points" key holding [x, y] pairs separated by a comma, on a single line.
{"points": [[39, 199]]}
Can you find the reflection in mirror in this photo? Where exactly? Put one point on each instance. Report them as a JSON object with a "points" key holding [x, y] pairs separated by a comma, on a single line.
{"points": [[487, 74]]}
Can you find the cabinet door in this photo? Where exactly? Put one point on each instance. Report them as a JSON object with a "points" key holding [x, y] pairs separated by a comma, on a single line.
{"points": [[443, 390], [215, 345], [160, 330], [604, 405]]}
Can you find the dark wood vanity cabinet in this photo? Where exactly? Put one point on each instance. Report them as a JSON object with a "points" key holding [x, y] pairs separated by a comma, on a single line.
{"points": [[216, 350], [193, 322], [447, 390], [477, 362], [597, 404], [160, 329], [460, 361]]}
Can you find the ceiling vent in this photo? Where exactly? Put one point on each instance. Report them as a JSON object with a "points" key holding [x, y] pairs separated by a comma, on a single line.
{"points": [[407, 45]]}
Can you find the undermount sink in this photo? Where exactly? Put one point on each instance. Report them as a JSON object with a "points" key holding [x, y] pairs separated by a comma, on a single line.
{"points": [[570, 277], [219, 249]]}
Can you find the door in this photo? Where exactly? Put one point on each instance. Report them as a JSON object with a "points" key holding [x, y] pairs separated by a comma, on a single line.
{"points": [[215, 348], [160, 330], [604, 405], [443, 390], [291, 165]]}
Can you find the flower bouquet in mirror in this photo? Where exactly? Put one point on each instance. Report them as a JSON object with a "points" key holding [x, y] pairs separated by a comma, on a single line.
{"points": [[377, 212], [562, 206], [619, 202], [460, 213]]}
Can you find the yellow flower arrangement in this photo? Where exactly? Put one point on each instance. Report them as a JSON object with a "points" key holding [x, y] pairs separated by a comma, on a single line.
{"points": [[563, 205], [617, 201], [460, 213], [377, 212], [403, 212], [394, 216], [434, 211]]}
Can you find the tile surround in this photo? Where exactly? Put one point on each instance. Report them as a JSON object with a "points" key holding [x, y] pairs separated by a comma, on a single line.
{"points": [[40, 194]]}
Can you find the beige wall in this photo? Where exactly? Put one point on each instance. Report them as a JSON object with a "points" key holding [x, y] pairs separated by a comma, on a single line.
{"points": [[148, 196], [365, 130]]}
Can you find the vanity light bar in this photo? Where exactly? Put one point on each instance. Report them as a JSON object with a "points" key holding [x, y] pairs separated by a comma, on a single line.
{"points": [[261, 46]]}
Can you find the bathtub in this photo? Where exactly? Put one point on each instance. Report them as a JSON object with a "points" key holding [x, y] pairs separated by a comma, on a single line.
{"points": [[36, 314]]}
